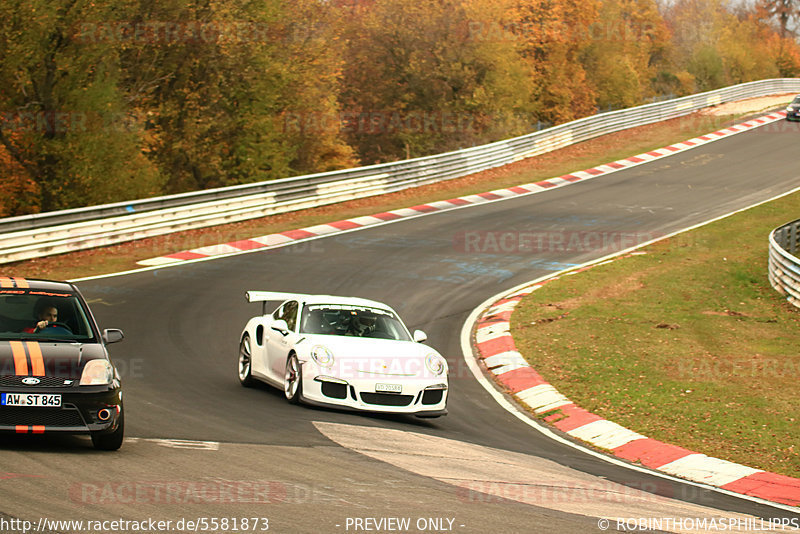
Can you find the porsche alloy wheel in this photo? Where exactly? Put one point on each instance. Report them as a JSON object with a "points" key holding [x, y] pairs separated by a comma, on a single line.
{"points": [[293, 380], [245, 362]]}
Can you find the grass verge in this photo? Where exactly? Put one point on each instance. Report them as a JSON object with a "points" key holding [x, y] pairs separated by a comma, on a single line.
{"points": [[688, 344], [581, 156]]}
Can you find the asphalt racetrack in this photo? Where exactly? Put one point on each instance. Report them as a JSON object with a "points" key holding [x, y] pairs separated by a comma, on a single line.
{"points": [[201, 446]]}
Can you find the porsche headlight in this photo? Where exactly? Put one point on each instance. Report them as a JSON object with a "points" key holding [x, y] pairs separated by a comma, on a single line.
{"points": [[322, 355], [436, 364], [97, 373]]}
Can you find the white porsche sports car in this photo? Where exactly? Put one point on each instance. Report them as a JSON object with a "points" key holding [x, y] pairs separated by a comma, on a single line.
{"points": [[342, 352]]}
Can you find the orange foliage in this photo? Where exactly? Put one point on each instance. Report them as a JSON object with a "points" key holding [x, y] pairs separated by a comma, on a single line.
{"points": [[19, 193], [553, 33]]}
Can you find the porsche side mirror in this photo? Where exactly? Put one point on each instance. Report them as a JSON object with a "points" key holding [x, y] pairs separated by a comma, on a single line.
{"points": [[420, 336]]}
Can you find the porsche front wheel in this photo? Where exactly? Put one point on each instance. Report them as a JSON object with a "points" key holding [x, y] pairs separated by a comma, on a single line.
{"points": [[245, 362], [293, 380]]}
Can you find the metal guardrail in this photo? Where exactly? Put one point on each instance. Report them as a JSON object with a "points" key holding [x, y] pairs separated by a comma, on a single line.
{"points": [[783, 265], [57, 232]]}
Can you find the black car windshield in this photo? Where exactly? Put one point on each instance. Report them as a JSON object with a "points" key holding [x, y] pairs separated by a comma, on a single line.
{"points": [[346, 320], [43, 315]]}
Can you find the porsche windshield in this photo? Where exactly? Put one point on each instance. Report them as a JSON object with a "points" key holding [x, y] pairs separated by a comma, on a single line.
{"points": [[357, 321], [38, 315]]}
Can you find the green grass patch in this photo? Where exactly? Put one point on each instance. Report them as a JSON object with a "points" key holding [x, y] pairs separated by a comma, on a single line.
{"points": [[688, 344]]}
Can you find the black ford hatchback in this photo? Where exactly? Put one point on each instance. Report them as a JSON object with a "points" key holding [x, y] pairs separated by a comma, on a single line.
{"points": [[55, 373]]}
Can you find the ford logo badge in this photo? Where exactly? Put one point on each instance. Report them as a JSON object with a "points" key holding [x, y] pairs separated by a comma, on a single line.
{"points": [[30, 381]]}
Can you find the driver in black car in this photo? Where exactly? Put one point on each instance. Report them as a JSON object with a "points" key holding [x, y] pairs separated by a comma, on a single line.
{"points": [[45, 313]]}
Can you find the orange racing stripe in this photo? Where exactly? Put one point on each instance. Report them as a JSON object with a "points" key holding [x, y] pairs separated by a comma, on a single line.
{"points": [[6, 282], [37, 429], [20, 359], [22, 283], [21, 429], [37, 360]]}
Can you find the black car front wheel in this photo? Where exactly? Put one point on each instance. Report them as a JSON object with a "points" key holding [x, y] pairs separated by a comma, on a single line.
{"points": [[110, 441]]}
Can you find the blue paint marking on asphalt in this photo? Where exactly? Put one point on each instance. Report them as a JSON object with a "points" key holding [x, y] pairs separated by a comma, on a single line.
{"points": [[472, 267], [554, 266], [468, 270], [462, 271]]}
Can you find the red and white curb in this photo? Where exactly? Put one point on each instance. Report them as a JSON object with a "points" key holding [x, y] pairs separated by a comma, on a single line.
{"points": [[293, 236], [496, 349]]}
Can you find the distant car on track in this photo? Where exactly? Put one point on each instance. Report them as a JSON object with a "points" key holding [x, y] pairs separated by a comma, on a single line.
{"points": [[343, 352], [55, 373], [793, 109]]}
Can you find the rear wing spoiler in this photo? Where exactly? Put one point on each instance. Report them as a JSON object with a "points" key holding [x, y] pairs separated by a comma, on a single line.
{"points": [[263, 296], [270, 296]]}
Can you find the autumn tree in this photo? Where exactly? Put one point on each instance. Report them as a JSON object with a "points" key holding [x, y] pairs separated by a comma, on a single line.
{"points": [[18, 190], [63, 109], [313, 53], [553, 35], [785, 12], [426, 77], [718, 46], [214, 81], [108, 100], [746, 47], [628, 49]]}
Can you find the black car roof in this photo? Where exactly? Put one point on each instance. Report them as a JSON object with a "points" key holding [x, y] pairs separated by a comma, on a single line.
{"points": [[31, 283]]}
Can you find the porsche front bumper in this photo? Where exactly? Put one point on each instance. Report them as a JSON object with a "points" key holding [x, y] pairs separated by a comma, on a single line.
{"points": [[421, 397]]}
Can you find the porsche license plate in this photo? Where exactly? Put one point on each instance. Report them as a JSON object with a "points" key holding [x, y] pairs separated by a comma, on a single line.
{"points": [[388, 388], [30, 399]]}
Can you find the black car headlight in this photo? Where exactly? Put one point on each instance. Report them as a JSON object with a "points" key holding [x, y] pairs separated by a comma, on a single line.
{"points": [[97, 373]]}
